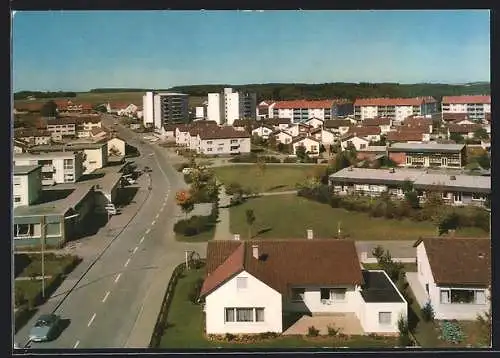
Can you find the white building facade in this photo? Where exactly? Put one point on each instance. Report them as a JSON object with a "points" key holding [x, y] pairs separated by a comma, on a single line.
{"points": [[476, 107], [26, 184], [224, 108]]}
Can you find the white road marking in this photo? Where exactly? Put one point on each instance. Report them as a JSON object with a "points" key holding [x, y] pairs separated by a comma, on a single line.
{"points": [[76, 344], [142, 239], [105, 297], [154, 222], [148, 231], [135, 250], [91, 320], [127, 262], [117, 277]]}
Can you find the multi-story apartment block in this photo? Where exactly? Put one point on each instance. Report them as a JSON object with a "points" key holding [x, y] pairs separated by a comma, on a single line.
{"points": [[455, 189], [95, 154], [80, 127], [226, 107], [33, 136], [57, 167], [301, 110], [428, 155], [26, 184], [160, 109], [221, 141], [476, 107], [395, 108]]}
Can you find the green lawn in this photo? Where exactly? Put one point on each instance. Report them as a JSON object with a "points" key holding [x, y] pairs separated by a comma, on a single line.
{"points": [[273, 178], [408, 267], [54, 264], [289, 216], [185, 327], [204, 236]]}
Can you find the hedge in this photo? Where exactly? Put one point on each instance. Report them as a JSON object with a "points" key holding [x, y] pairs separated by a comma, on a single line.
{"points": [[197, 224]]}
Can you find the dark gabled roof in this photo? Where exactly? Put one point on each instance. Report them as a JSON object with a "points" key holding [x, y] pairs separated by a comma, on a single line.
{"points": [[459, 261], [216, 132], [277, 121], [283, 263], [362, 131], [336, 123], [377, 121]]}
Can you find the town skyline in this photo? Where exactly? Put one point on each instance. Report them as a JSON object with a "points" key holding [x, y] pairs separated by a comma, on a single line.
{"points": [[374, 47]]}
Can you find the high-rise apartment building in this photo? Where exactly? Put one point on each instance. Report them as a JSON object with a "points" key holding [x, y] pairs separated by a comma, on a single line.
{"points": [[162, 108], [227, 106]]}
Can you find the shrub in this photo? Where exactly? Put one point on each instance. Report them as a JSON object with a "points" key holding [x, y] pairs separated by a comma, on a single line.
{"points": [[233, 188], [229, 337], [427, 312], [194, 293], [267, 335], [188, 178], [181, 166], [312, 331], [270, 159], [194, 225], [290, 160], [332, 331], [451, 332]]}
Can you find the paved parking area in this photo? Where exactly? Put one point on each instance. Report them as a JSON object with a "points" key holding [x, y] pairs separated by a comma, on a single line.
{"points": [[348, 324]]}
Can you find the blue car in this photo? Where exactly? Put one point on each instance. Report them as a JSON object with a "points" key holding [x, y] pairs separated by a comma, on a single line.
{"points": [[45, 328]]}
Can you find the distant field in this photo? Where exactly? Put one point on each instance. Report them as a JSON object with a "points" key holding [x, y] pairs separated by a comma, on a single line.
{"points": [[96, 98]]}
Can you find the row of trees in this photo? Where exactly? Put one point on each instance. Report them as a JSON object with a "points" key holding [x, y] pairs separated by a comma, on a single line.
{"points": [[37, 94]]}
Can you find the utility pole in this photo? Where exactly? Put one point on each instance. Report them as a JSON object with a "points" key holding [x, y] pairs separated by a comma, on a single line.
{"points": [[43, 255]]}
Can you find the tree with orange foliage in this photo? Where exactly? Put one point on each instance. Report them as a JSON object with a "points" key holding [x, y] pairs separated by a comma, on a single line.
{"points": [[185, 201]]}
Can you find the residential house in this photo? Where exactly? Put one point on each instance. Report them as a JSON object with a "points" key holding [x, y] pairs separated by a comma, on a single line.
{"points": [[98, 133], [250, 286], [315, 122], [95, 154], [454, 275], [447, 117], [33, 136], [371, 133], [463, 122], [263, 131], [464, 130], [457, 190], [475, 106], [428, 154], [265, 109], [396, 108], [80, 127], [372, 152], [26, 184], [169, 130], [282, 136], [297, 129], [116, 146], [301, 110], [339, 127], [311, 144], [68, 106], [20, 146], [409, 135], [57, 167], [419, 122], [278, 123], [182, 134], [324, 136], [128, 110], [246, 124], [358, 142], [214, 140], [384, 123]]}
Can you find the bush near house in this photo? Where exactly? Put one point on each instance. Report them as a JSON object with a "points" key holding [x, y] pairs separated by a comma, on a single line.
{"points": [[189, 229], [254, 158], [291, 160]]}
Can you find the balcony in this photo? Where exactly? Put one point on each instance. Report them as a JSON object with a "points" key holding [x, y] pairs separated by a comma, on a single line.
{"points": [[48, 168]]}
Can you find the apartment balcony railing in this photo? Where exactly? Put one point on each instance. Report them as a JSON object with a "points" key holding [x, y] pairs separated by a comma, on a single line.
{"points": [[48, 168]]}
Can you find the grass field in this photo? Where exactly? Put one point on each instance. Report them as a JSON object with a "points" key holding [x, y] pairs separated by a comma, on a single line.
{"points": [[202, 237], [185, 327], [273, 178], [97, 98], [289, 216]]}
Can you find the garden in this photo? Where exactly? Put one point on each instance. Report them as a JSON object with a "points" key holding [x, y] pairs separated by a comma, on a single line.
{"points": [[289, 216], [28, 281]]}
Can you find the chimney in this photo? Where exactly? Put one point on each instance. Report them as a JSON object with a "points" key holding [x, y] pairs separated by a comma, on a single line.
{"points": [[237, 237], [255, 251], [310, 234]]}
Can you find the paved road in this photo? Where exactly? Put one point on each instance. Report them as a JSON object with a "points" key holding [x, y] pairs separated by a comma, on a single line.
{"points": [[116, 303]]}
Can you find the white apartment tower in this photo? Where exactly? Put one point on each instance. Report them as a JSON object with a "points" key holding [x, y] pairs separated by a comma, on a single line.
{"points": [[162, 108], [229, 105]]}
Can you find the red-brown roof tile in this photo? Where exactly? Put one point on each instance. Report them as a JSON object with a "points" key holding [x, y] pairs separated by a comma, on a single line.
{"points": [[362, 131], [222, 133], [284, 263], [416, 101], [301, 103], [466, 99], [459, 261], [377, 121], [405, 136], [463, 128], [336, 123], [450, 117]]}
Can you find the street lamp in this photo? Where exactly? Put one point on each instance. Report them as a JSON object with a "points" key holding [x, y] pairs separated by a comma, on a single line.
{"points": [[43, 227]]}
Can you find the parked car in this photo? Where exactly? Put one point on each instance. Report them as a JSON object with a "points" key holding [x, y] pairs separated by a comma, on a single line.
{"points": [[45, 328]]}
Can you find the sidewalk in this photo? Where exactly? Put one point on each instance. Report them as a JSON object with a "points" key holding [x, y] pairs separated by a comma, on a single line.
{"points": [[91, 247]]}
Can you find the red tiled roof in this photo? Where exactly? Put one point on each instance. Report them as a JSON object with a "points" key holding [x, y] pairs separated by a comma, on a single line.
{"points": [[362, 131], [284, 263], [448, 117], [277, 121], [302, 137], [418, 121], [222, 133], [466, 99], [416, 101], [31, 132], [377, 121], [404, 136], [302, 103], [463, 128], [336, 123], [459, 261]]}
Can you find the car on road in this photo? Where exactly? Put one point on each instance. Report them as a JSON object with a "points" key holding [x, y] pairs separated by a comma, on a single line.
{"points": [[147, 170], [45, 328]]}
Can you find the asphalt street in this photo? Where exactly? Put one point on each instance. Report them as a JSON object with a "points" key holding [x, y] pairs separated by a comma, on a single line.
{"points": [[106, 308]]}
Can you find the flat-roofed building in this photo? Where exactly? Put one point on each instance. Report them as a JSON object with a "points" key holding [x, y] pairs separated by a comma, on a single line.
{"points": [[428, 154], [56, 167], [26, 184]]}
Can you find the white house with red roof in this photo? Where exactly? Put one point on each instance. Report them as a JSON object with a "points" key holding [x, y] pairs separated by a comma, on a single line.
{"points": [[282, 136], [396, 108], [476, 107], [263, 131], [302, 110], [311, 145]]}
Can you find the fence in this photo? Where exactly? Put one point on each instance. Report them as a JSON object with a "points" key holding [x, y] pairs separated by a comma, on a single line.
{"points": [[161, 322]]}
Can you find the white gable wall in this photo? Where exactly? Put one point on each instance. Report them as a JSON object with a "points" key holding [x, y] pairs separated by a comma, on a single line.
{"points": [[256, 295]]}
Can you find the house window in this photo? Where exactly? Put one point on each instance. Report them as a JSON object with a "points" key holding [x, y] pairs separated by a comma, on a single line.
{"points": [[444, 195], [234, 141], [27, 230], [259, 314], [220, 149], [68, 163], [362, 146], [408, 160], [209, 142], [298, 294], [244, 315], [478, 196], [457, 197], [463, 296], [338, 294], [241, 282], [427, 288], [229, 315], [325, 294], [17, 199], [209, 149], [384, 318]]}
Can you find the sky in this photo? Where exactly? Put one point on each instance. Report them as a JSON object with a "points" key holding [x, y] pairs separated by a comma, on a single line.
{"points": [[80, 50]]}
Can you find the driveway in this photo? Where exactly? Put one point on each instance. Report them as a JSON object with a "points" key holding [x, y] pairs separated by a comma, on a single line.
{"points": [[347, 323]]}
